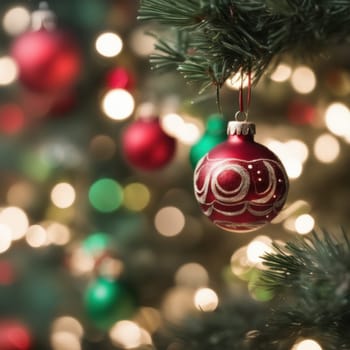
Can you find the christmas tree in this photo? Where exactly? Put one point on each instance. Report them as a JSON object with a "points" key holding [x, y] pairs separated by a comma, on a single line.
{"points": [[112, 115]]}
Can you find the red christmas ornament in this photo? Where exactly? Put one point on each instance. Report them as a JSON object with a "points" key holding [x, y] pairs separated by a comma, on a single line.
{"points": [[48, 60], [240, 184], [146, 145]]}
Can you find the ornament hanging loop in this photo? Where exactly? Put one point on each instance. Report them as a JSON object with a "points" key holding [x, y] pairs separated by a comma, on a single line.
{"points": [[242, 114]]}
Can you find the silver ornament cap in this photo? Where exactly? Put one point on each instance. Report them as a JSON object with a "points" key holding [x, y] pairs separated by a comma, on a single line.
{"points": [[240, 128]]}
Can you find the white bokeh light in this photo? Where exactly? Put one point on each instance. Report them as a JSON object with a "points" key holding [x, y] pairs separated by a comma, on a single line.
{"points": [[337, 118], [303, 80], [8, 70], [326, 148], [16, 20], [281, 73], [16, 219], [258, 248], [118, 104], [63, 195], [5, 238], [169, 221], [205, 299], [307, 344], [109, 44], [304, 224]]}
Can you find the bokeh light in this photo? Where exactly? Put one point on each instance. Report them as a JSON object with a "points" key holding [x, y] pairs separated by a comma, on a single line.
{"points": [[8, 70], [192, 275], [205, 299], [136, 196], [96, 243], [63, 195], [303, 80], [235, 81], [5, 238], [57, 233], [257, 248], [68, 324], [337, 118], [304, 224], [16, 20], [106, 195], [81, 263], [109, 44], [36, 236], [169, 221], [126, 334], [281, 73], [141, 43], [326, 148], [186, 129], [118, 104], [63, 340], [292, 154], [16, 220], [307, 344]]}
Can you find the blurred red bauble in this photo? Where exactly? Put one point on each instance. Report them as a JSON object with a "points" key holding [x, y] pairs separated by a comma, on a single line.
{"points": [[120, 78], [146, 146], [48, 60], [301, 113], [240, 184], [14, 336]]}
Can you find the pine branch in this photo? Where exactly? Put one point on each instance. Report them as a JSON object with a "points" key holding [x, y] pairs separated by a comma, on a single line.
{"points": [[228, 36], [311, 280]]}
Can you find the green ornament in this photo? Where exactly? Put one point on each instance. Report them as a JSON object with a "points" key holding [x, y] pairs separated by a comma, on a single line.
{"points": [[215, 133], [107, 301]]}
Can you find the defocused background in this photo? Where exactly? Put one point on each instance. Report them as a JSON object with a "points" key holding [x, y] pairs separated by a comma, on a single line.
{"points": [[100, 247]]}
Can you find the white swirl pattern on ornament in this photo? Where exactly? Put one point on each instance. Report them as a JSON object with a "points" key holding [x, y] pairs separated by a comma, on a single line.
{"points": [[212, 196]]}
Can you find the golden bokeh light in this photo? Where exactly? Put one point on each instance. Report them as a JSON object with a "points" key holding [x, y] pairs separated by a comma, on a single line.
{"points": [[136, 196]]}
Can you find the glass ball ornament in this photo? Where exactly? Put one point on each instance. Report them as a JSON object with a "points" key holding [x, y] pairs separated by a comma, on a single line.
{"points": [[48, 60], [215, 133], [108, 301], [146, 145], [240, 184]]}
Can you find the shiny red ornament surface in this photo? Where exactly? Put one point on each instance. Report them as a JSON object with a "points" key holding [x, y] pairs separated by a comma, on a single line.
{"points": [[48, 60], [240, 185], [146, 146]]}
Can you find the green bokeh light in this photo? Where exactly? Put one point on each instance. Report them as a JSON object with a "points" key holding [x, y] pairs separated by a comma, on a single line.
{"points": [[106, 195], [96, 243]]}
